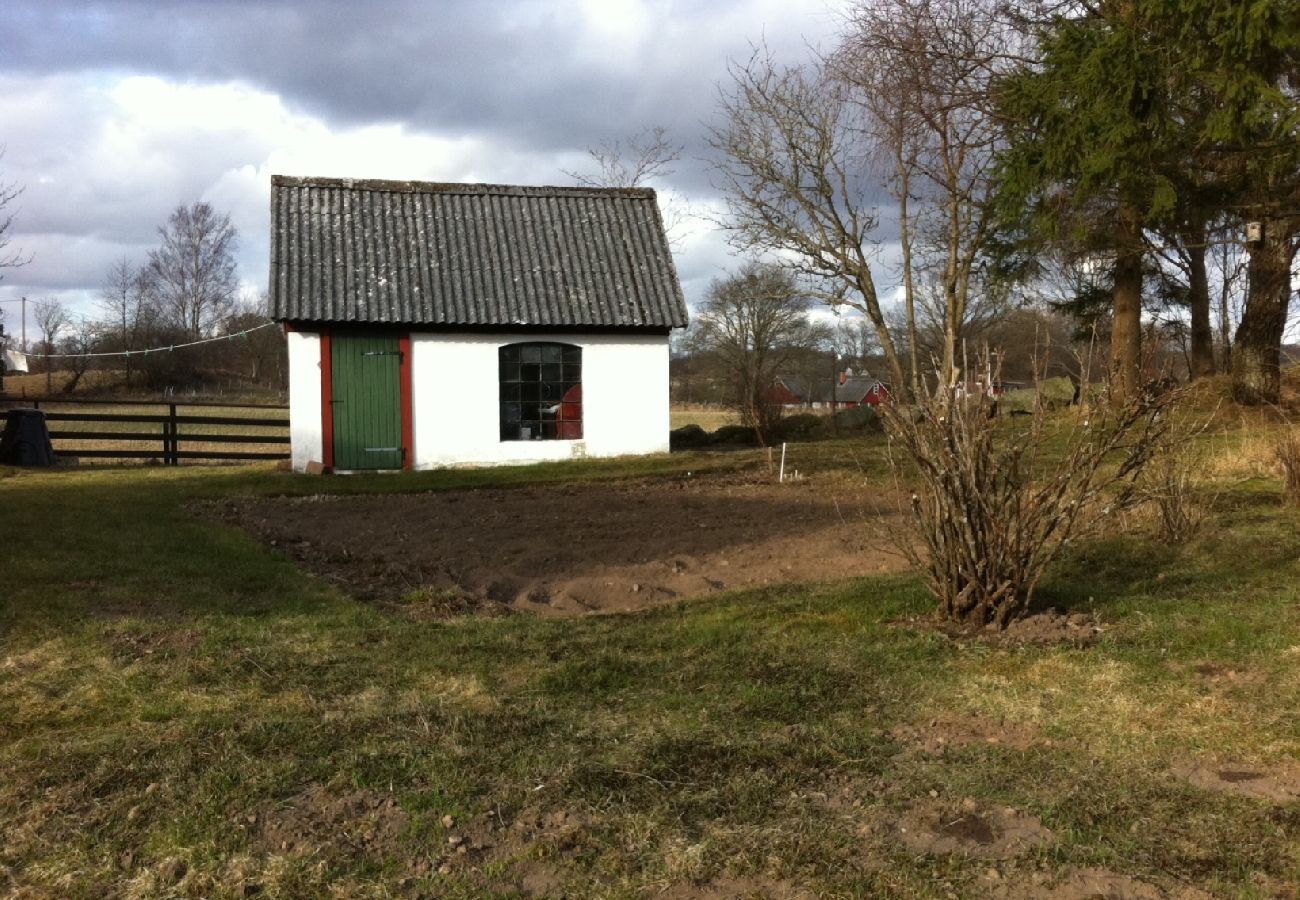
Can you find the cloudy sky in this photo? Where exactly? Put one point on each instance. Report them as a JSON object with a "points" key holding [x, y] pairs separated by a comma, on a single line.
{"points": [[112, 112]]}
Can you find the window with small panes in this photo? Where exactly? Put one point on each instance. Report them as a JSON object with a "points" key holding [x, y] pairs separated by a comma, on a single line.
{"points": [[541, 391]]}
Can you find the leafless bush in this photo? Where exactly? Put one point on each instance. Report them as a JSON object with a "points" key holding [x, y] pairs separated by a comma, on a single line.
{"points": [[1173, 483], [1288, 455], [993, 500]]}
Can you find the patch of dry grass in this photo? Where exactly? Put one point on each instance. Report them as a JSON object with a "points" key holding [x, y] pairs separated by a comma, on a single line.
{"points": [[710, 418]]}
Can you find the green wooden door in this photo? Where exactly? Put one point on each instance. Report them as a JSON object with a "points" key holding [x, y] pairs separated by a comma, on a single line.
{"points": [[367, 398]]}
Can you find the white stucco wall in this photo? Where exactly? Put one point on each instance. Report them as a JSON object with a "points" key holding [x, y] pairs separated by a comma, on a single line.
{"points": [[456, 399], [304, 399]]}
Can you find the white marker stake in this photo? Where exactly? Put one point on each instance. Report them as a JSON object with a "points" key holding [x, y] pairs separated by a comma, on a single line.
{"points": [[781, 478]]}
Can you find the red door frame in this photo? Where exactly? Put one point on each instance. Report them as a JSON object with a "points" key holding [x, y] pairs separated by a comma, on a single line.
{"points": [[327, 399]]}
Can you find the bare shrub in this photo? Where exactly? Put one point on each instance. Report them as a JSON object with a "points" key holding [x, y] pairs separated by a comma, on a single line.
{"points": [[1172, 483], [1175, 482], [994, 500], [1288, 455]]}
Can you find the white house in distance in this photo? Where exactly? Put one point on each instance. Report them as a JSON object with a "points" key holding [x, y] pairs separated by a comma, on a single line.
{"points": [[471, 324]]}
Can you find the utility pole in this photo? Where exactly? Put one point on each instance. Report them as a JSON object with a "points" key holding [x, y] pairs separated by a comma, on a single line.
{"points": [[24, 325]]}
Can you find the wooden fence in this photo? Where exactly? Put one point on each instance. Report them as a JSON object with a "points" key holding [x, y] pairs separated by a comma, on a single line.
{"points": [[168, 432]]}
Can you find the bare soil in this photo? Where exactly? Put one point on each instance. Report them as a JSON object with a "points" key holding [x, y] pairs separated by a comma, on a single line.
{"points": [[318, 821], [1045, 628], [526, 853], [724, 888], [1093, 884], [1218, 677], [1277, 783], [529, 852], [983, 832], [935, 736], [573, 549]]}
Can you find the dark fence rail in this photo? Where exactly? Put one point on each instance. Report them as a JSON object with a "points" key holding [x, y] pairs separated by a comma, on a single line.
{"points": [[165, 435]]}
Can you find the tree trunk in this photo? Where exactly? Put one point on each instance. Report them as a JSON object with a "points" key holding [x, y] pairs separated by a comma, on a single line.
{"points": [[1126, 298], [1225, 321], [1201, 363], [1257, 349], [909, 292]]}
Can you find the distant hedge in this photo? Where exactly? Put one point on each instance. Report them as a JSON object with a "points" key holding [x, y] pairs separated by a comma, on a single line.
{"points": [[799, 427]]}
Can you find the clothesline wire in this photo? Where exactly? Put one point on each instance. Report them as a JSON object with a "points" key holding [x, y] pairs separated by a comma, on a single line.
{"points": [[167, 349]]}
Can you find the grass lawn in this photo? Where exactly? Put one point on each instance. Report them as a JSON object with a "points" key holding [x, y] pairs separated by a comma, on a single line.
{"points": [[183, 712]]}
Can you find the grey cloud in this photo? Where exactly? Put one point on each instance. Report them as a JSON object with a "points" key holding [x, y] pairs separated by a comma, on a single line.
{"points": [[522, 75], [520, 71]]}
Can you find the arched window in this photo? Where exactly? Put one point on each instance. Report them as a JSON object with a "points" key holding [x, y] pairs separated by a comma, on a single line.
{"points": [[541, 392]]}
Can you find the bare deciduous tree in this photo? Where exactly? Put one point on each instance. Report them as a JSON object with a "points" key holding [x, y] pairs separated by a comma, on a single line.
{"points": [[854, 341], [1227, 264], [193, 270], [51, 319], [902, 108], [795, 148], [633, 161], [755, 323], [76, 349], [125, 299], [9, 193], [263, 352], [924, 70]]}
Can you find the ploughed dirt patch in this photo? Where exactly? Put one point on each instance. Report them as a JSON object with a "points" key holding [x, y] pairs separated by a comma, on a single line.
{"points": [[573, 549], [1277, 783]]}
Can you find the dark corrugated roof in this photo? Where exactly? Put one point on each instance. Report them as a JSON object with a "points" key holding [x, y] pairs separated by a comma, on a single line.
{"points": [[411, 252], [853, 389]]}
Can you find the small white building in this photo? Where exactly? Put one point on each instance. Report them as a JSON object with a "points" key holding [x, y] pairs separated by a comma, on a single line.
{"points": [[457, 324]]}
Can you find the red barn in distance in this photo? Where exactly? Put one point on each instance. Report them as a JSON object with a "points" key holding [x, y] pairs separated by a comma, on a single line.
{"points": [[844, 392]]}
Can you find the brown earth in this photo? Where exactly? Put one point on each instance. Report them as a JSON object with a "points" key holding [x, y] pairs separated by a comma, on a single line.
{"points": [[1277, 783], [1219, 677], [159, 644], [529, 852], [574, 549], [1046, 628], [970, 829], [318, 821], [526, 853], [936, 735], [724, 888], [1093, 884]]}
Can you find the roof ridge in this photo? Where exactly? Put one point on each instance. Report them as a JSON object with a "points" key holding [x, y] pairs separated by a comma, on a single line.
{"points": [[458, 187]]}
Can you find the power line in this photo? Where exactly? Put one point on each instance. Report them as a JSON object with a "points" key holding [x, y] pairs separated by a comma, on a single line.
{"points": [[168, 349]]}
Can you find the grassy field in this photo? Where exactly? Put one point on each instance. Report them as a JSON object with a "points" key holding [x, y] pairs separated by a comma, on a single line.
{"points": [[183, 712], [710, 418]]}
